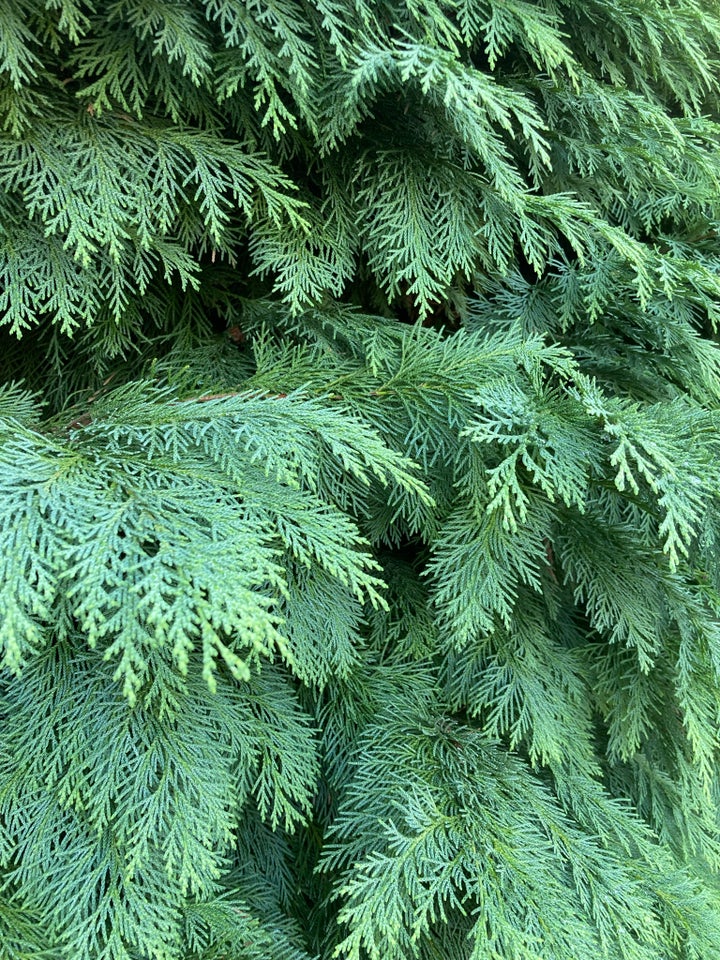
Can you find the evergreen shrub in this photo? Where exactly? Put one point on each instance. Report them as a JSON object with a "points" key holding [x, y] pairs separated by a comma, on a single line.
{"points": [[359, 479]]}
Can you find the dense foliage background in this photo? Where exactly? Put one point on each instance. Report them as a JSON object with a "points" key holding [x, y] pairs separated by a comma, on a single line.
{"points": [[359, 479]]}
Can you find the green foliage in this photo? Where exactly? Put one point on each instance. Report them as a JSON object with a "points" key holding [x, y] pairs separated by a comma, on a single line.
{"points": [[359, 480]]}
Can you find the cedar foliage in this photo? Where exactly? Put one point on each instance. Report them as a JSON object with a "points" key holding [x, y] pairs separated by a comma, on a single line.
{"points": [[359, 469]]}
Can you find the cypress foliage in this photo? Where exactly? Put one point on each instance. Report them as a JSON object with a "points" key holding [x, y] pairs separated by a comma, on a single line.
{"points": [[359, 479]]}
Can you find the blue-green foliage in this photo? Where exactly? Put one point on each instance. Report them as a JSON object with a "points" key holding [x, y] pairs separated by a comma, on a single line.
{"points": [[359, 480]]}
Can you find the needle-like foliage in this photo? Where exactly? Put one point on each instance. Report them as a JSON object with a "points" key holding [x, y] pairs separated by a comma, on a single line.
{"points": [[359, 480]]}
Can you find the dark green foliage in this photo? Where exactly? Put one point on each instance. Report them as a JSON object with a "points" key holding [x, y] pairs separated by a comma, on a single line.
{"points": [[359, 480]]}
